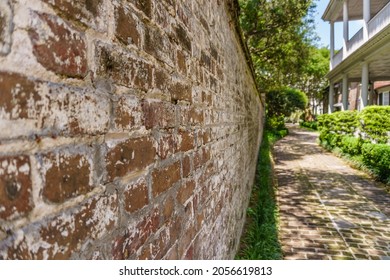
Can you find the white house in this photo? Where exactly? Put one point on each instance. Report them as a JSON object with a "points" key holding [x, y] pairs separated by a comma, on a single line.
{"points": [[364, 58]]}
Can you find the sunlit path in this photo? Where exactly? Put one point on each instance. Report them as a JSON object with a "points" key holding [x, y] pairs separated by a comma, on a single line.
{"points": [[327, 209]]}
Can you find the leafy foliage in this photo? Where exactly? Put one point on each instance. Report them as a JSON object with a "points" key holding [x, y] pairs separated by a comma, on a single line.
{"points": [[377, 156], [260, 238], [365, 136], [375, 123], [279, 34], [285, 101]]}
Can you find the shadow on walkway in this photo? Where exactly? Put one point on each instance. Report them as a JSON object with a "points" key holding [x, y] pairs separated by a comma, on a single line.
{"points": [[328, 210]]}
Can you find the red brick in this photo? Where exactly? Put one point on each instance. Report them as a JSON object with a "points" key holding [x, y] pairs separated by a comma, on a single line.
{"points": [[167, 146], [15, 187], [159, 114], [186, 162], [180, 92], [164, 178], [191, 116], [63, 51], [181, 62], [17, 92], [158, 45], [126, 27], [136, 196], [168, 208], [127, 244], [186, 191], [128, 113], [161, 244], [129, 156], [64, 110], [138, 73], [67, 177], [162, 80], [84, 11], [201, 157], [186, 141], [67, 233]]}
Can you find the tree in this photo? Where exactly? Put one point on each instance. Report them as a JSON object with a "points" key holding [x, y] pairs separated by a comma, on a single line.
{"points": [[282, 103], [279, 36]]}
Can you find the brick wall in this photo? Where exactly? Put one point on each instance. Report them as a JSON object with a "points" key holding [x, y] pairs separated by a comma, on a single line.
{"points": [[129, 129]]}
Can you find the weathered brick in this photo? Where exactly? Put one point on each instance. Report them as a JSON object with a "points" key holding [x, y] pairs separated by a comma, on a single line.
{"points": [[136, 196], [158, 45], [186, 191], [49, 108], [6, 27], [159, 114], [83, 11], [66, 177], [186, 141], [66, 233], [186, 162], [191, 116], [167, 146], [112, 63], [128, 243], [180, 91], [164, 178], [126, 27], [145, 6], [17, 93], [207, 98], [128, 113], [168, 209], [181, 62], [201, 157], [62, 50], [183, 38], [129, 156], [161, 80], [15, 187]]}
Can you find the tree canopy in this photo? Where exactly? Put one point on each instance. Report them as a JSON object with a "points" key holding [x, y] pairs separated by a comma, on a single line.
{"points": [[282, 42]]}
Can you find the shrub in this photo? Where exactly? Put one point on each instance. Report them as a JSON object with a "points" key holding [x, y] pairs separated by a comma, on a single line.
{"points": [[377, 158], [311, 125], [351, 145], [364, 135], [375, 123]]}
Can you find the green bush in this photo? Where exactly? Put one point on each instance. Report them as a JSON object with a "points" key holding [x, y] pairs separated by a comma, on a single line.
{"points": [[377, 158], [364, 135], [311, 125], [375, 123], [351, 145], [276, 125]]}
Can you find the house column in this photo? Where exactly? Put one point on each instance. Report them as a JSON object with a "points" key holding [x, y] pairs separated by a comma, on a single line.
{"points": [[345, 93], [366, 17], [331, 44], [331, 97], [345, 28], [364, 91]]}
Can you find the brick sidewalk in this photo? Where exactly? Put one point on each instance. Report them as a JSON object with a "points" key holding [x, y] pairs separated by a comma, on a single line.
{"points": [[327, 209]]}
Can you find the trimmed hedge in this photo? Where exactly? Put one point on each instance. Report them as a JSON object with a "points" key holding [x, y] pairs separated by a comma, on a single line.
{"points": [[365, 135], [311, 125], [375, 124], [377, 157]]}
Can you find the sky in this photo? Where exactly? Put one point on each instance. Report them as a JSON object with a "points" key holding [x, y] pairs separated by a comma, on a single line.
{"points": [[323, 28]]}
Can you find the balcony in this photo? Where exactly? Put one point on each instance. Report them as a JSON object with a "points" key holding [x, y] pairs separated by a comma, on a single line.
{"points": [[375, 25]]}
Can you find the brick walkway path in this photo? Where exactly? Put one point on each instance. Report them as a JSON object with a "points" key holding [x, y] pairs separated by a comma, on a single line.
{"points": [[327, 209]]}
